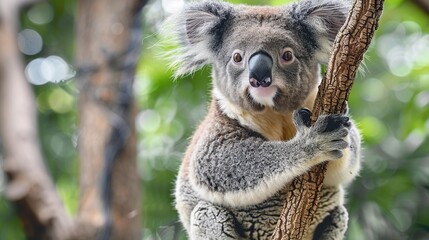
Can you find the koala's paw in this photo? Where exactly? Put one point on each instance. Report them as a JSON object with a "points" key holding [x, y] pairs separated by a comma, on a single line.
{"points": [[328, 137], [302, 117]]}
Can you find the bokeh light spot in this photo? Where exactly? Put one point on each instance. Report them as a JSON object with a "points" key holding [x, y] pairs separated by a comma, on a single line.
{"points": [[422, 99], [41, 13], [148, 120], [34, 74], [51, 69], [172, 6], [375, 90], [402, 219], [60, 101], [414, 140], [372, 129], [29, 42], [404, 49]]}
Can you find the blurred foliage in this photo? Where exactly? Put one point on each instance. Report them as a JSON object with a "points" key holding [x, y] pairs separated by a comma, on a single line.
{"points": [[389, 101]]}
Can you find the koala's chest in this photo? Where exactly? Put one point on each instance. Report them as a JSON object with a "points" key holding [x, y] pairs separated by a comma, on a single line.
{"points": [[272, 125]]}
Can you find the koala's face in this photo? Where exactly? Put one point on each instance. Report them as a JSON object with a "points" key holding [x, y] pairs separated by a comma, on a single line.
{"points": [[265, 62], [261, 56]]}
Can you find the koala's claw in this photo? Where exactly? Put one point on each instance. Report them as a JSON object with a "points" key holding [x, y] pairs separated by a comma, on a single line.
{"points": [[326, 123], [305, 115], [337, 145], [347, 124], [334, 148], [336, 154], [334, 122]]}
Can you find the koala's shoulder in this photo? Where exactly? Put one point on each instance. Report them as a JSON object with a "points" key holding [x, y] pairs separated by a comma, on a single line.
{"points": [[218, 125]]}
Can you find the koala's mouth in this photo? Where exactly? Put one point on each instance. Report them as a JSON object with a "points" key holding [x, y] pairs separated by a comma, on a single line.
{"points": [[264, 95]]}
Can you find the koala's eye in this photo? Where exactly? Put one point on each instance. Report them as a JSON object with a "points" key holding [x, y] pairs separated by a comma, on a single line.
{"points": [[237, 57], [287, 55]]}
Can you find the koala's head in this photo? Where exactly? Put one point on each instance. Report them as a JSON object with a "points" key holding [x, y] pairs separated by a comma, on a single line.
{"points": [[260, 56]]}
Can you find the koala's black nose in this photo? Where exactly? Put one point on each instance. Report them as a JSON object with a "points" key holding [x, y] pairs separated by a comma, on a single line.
{"points": [[260, 66]]}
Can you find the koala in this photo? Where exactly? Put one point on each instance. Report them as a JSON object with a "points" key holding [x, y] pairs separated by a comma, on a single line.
{"points": [[257, 137]]}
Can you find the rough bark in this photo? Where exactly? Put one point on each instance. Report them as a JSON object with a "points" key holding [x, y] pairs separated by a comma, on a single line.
{"points": [[350, 45], [108, 47], [29, 186]]}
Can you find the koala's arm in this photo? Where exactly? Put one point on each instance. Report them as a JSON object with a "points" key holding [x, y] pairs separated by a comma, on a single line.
{"points": [[230, 166]]}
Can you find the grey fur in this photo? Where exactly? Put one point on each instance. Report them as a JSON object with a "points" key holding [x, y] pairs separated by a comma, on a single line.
{"points": [[231, 179], [223, 164]]}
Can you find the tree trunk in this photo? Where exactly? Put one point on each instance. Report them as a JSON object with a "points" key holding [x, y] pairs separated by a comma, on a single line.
{"points": [[350, 45], [108, 47]]}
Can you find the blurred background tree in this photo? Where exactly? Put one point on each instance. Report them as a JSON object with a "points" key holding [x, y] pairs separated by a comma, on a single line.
{"points": [[389, 101]]}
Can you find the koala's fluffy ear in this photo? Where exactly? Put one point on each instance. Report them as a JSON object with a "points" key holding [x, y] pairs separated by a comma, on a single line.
{"points": [[325, 18], [199, 28]]}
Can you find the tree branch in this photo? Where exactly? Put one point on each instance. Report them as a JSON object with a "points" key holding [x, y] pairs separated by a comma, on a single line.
{"points": [[350, 45], [29, 186]]}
